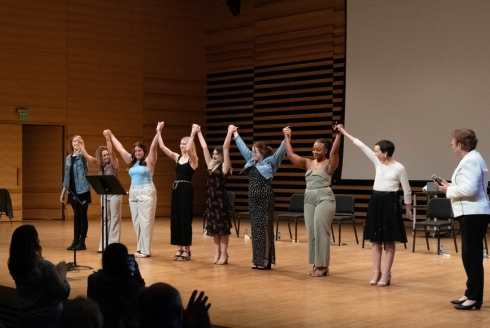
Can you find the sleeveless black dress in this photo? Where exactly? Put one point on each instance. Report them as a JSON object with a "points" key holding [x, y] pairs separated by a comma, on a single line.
{"points": [[182, 204]]}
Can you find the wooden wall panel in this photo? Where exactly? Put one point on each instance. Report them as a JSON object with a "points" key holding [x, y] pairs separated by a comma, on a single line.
{"points": [[11, 166], [296, 80]]}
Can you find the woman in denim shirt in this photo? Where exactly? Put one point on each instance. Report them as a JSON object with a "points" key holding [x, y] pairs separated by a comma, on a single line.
{"points": [[261, 167], [76, 181]]}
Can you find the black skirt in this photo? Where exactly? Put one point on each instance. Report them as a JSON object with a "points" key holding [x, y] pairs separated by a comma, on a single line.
{"points": [[384, 222]]}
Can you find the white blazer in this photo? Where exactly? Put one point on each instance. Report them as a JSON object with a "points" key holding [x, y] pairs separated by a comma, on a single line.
{"points": [[468, 190]]}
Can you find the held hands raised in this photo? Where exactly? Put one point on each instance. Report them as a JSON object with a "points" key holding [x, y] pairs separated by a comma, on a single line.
{"points": [[195, 129], [160, 126], [339, 127], [287, 132], [107, 134], [232, 128]]}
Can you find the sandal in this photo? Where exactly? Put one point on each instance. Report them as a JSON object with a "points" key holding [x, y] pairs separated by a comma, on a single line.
{"points": [[178, 255], [185, 258]]}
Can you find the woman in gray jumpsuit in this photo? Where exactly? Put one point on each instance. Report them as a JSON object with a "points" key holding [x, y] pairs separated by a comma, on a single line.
{"points": [[319, 205]]}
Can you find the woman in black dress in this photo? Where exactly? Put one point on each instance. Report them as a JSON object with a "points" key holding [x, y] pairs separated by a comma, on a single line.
{"points": [[182, 195], [262, 164], [219, 223]]}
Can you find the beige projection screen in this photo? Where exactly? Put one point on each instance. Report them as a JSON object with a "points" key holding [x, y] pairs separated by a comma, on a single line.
{"points": [[415, 71]]}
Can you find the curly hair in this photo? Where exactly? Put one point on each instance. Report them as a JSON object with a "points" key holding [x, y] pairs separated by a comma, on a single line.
{"points": [[98, 155]]}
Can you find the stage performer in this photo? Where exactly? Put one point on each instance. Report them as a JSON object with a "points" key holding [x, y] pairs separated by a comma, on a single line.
{"points": [[75, 180], [262, 164], [217, 207], [106, 161], [384, 222], [142, 194], [182, 195], [319, 204]]}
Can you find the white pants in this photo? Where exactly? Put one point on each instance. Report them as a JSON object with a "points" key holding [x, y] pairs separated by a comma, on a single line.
{"points": [[113, 210], [143, 203]]}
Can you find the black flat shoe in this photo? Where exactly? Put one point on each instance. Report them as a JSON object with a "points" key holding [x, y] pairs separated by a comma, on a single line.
{"points": [[476, 305]]}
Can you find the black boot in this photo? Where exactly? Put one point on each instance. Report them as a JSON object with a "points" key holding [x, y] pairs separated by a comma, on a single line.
{"points": [[81, 245], [72, 246]]}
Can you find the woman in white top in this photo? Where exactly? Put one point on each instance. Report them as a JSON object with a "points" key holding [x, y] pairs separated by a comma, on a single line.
{"points": [[106, 161], [469, 198], [384, 222], [142, 194]]}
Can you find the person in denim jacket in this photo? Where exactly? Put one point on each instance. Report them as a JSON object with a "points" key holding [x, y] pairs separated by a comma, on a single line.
{"points": [[76, 181], [262, 164]]}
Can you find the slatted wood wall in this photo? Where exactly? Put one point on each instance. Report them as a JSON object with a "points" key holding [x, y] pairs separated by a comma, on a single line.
{"points": [[280, 63]]}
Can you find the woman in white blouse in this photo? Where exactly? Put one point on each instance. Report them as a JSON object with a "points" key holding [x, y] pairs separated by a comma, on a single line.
{"points": [[384, 222]]}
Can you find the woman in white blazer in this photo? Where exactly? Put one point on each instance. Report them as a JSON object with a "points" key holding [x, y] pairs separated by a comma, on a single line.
{"points": [[469, 198]]}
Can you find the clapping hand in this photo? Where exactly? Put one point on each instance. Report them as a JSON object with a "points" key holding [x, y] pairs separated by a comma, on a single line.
{"points": [[196, 313]]}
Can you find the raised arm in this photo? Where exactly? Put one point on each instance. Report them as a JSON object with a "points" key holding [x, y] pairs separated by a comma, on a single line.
{"points": [[226, 149], [204, 145], [242, 147], [341, 129], [89, 158], [333, 161], [190, 147], [119, 147], [297, 161], [112, 154], [166, 151], [151, 159]]}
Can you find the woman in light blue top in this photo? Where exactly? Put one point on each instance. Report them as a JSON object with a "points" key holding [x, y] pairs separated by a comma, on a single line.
{"points": [[142, 194], [261, 167]]}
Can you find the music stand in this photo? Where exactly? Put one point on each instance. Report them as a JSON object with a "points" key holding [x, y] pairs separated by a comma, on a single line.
{"points": [[76, 238], [105, 185]]}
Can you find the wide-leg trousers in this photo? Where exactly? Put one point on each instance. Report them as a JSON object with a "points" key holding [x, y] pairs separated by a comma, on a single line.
{"points": [[113, 210], [143, 203], [319, 209]]}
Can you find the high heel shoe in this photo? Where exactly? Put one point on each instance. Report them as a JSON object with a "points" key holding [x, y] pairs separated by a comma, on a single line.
{"points": [[477, 305], [385, 283], [460, 301], [375, 280], [217, 256], [223, 259], [264, 267], [312, 270], [320, 272]]}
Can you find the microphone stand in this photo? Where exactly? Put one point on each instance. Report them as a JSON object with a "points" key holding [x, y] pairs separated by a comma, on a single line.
{"points": [[76, 238]]}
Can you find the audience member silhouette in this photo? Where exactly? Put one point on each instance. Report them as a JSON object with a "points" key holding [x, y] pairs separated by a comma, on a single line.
{"points": [[42, 286], [115, 287], [160, 305], [81, 313]]}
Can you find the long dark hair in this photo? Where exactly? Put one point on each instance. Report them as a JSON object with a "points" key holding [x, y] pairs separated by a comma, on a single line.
{"points": [[133, 158], [115, 260], [25, 250]]}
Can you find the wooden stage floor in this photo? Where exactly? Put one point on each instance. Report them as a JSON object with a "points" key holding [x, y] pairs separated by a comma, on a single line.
{"points": [[422, 284]]}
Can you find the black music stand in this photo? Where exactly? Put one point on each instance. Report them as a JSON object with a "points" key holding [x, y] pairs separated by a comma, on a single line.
{"points": [[76, 238], [105, 185]]}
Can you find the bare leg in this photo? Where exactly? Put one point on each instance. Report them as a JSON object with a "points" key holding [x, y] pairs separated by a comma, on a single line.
{"points": [[390, 256], [376, 251], [217, 240], [224, 250]]}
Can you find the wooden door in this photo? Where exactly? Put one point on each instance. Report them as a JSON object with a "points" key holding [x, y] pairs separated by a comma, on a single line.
{"points": [[11, 165]]}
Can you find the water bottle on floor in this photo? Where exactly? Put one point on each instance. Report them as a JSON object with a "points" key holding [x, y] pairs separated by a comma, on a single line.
{"points": [[441, 250], [245, 235]]}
